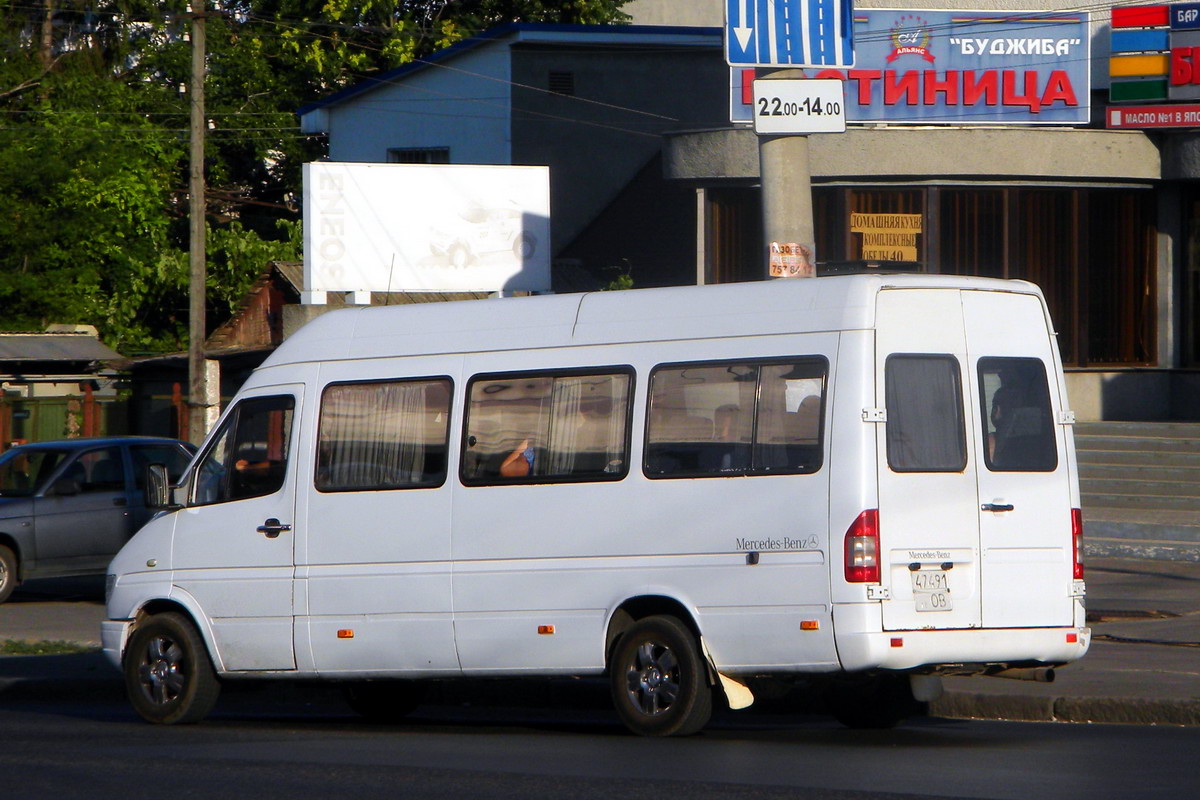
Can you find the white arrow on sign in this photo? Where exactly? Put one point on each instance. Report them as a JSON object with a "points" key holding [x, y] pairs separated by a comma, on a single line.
{"points": [[743, 31]]}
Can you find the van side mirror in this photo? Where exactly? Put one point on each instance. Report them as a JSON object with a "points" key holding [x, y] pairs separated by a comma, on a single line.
{"points": [[158, 488]]}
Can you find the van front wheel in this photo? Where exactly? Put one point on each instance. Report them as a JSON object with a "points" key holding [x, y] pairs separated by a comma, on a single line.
{"points": [[168, 676], [658, 679]]}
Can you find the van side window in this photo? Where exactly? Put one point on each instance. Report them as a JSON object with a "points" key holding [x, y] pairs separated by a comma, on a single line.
{"points": [[248, 457], [547, 427], [383, 435], [736, 418], [1015, 398], [925, 430]]}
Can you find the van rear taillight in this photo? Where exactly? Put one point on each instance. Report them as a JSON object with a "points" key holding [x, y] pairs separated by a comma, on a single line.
{"points": [[862, 548], [1077, 542]]}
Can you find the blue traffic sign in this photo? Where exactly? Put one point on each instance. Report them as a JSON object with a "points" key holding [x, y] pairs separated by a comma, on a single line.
{"points": [[789, 33], [1185, 16]]}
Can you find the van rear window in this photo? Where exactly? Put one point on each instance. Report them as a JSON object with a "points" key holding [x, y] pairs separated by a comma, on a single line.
{"points": [[383, 435], [925, 431], [725, 419], [1015, 398]]}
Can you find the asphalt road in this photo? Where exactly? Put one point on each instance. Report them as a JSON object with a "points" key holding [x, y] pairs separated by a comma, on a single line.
{"points": [[91, 746]]}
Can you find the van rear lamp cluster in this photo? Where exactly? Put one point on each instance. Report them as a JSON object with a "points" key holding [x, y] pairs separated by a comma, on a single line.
{"points": [[1077, 542], [862, 548]]}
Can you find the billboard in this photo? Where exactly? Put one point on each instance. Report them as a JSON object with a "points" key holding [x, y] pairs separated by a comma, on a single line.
{"points": [[426, 228], [960, 68]]}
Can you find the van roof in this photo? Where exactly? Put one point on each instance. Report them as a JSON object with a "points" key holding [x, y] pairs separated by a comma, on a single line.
{"points": [[842, 302]]}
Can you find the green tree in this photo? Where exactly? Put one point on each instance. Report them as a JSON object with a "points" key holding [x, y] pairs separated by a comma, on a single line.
{"points": [[93, 141]]}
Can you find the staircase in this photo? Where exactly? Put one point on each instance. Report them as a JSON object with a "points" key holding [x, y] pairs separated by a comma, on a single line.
{"points": [[1140, 487]]}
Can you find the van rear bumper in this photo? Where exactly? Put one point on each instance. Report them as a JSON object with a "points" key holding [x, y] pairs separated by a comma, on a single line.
{"points": [[931, 648]]}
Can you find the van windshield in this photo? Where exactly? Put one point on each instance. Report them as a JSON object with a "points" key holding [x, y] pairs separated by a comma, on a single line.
{"points": [[22, 471]]}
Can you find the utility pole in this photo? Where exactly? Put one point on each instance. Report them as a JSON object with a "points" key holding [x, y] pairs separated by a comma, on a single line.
{"points": [[201, 405], [786, 180]]}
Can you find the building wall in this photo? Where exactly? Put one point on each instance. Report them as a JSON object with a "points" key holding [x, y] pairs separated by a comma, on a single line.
{"points": [[596, 140], [464, 108]]}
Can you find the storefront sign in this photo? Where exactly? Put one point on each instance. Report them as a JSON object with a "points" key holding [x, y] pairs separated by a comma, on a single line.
{"points": [[1184, 115], [1155, 53], [962, 68], [887, 237]]}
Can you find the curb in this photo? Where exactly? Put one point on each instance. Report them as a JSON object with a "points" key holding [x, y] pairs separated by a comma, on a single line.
{"points": [[1015, 707]]}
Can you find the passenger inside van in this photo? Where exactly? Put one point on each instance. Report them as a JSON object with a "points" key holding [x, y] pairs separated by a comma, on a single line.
{"points": [[519, 462]]}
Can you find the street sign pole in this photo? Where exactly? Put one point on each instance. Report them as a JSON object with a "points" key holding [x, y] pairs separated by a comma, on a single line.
{"points": [[786, 34], [789, 235]]}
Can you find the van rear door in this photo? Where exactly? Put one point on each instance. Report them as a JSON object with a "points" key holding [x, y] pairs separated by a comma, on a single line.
{"points": [[1023, 469], [928, 506]]}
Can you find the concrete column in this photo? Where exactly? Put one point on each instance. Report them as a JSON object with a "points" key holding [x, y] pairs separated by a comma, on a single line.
{"points": [[786, 187]]}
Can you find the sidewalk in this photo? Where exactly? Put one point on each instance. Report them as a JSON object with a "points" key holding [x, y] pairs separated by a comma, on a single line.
{"points": [[1143, 665]]}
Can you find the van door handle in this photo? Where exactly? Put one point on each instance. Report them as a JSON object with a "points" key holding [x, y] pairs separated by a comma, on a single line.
{"points": [[997, 507], [120, 501], [273, 527]]}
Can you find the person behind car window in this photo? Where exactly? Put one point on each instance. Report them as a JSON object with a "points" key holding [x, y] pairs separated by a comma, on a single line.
{"points": [[519, 463]]}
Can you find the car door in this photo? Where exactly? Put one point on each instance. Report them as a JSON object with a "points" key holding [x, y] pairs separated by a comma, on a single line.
{"points": [[1024, 474], [928, 507], [233, 548], [82, 517]]}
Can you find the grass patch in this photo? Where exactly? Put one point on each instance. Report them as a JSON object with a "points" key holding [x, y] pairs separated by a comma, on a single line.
{"points": [[20, 647]]}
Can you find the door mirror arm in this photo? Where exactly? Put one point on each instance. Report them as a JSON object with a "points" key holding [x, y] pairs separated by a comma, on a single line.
{"points": [[160, 494]]}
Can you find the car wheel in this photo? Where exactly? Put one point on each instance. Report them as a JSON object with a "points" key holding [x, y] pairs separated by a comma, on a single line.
{"points": [[8, 572], [384, 701], [659, 682], [168, 675]]}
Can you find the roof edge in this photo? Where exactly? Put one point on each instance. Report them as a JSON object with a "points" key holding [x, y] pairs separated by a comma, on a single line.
{"points": [[367, 83]]}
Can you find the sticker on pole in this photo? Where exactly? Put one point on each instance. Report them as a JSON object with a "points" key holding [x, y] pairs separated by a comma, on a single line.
{"points": [[799, 106], [791, 260]]}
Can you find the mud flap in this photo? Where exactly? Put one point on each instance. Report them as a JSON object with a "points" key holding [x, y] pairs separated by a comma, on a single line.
{"points": [[738, 694]]}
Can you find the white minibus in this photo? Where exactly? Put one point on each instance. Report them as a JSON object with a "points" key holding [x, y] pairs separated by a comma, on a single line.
{"points": [[859, 482]]}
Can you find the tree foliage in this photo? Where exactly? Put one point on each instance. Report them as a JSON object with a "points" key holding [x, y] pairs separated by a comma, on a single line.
{"points": [[94, 137]]}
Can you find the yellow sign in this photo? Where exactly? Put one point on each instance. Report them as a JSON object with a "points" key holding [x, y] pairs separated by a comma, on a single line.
{"points": [[888, 237]]}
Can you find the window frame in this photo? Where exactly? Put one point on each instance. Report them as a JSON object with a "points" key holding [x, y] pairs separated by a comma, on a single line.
{"points": [[963, 439], [753, 444], [600, 371], [230, 424], [430, 379], [985, 416]]}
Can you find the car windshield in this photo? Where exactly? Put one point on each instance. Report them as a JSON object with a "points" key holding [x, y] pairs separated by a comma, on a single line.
{"points": [[22, 471]]}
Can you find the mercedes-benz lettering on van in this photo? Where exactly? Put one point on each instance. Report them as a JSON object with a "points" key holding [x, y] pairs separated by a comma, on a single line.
{"points": [[859, 482]]}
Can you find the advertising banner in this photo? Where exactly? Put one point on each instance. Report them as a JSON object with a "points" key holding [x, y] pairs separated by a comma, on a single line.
{"points": [[960, 68], [426, 228]]}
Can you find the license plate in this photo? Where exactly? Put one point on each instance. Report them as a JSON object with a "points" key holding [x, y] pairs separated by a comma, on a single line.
{"points": [[931, 590]]}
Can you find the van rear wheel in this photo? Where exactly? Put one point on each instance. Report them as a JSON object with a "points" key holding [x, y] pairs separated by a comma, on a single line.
{"points": [[658, 680], [168, 676]]}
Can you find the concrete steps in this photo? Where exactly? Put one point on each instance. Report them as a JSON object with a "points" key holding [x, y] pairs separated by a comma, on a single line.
{"points": [[1140, 488]]}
